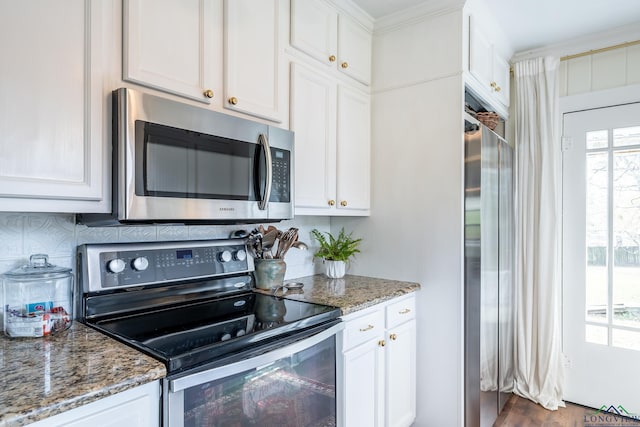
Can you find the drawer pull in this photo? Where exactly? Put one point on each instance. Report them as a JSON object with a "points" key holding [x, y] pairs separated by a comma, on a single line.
{"points": [[368, 328], [405, 311], [393, 337]]}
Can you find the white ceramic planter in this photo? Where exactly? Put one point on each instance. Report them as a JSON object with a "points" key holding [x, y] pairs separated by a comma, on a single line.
{"points": [[335, 269]]}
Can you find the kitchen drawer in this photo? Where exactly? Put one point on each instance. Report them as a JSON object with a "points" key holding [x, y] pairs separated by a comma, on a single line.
{"points": [[363, 328], [401, 311]]}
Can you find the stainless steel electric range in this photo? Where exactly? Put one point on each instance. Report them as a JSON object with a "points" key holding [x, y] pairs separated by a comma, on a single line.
{"points": [[234, 357]]}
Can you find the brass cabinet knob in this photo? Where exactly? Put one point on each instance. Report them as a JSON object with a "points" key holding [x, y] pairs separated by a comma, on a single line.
{"points": [[233, 100], [331, 202], [381, 343], [343, 203], [344, 64], [208, 93], [332, 58], [368, 328], [393, 337], [494, 84], [497, 89]]}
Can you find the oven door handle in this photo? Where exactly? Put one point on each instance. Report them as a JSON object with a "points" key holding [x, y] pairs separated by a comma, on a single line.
{"points": [[203, 377], [263, 141]]}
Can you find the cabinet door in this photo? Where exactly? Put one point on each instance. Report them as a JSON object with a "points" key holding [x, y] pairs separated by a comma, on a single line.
{"points": [[51, 114], [400, 380], [353, 150], [354, 48], [363, 402], [252, 57], [136, 407], [501, 78], [314, 29], [480, 55], [174, 46], [313, 119]]}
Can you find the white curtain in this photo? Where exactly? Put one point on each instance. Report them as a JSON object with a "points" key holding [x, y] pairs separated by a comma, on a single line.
{"points": [[538, 347]]}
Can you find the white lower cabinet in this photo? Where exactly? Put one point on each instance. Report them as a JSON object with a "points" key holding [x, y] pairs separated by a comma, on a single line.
{"points": [[136, 407], [377, 366]]}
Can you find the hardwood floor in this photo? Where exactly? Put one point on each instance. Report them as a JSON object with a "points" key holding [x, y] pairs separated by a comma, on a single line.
{"points": [[520, 412]]}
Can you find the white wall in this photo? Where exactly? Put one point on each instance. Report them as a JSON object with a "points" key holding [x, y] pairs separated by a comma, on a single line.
{"points": [[415, 231], [24, 234], [600, 71]]}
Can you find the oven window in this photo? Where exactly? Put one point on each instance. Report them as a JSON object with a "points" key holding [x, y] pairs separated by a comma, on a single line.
{"points": [[295, 391], [185, 164]]}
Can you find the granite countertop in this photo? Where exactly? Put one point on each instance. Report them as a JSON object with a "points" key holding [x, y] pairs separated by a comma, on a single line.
{"points": [[42, 377], [350, 294]]}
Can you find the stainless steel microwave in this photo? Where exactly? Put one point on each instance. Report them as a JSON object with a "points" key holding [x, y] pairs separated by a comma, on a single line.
{"points": [[177, 163]]}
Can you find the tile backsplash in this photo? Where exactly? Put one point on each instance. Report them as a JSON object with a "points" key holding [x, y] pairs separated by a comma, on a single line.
{"points": [[57, 235]]}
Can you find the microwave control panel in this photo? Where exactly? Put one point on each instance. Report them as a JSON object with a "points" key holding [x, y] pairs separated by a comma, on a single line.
{"points": [[280, 176]]}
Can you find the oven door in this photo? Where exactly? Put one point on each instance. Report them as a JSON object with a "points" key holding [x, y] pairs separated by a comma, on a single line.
{"points": [[293, 385]]}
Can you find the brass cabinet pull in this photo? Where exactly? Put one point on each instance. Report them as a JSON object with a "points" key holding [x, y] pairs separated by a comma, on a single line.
{"points": [[393, 337], [368, 328], [344, 64], [331, 202], [208, 93], [405, 311], [381, 343], [233, 100], [498, 89], [494, 84], [332, 58], [343, 203]]}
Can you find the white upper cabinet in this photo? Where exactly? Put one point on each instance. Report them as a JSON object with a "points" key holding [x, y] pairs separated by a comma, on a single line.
{"points": [[52, 109], [174, 46], [332, 37], [354, 48], [228, 54], [254, 75], [332, 126], [353, 150], [313, 119], [314, 29], [489, 71]]}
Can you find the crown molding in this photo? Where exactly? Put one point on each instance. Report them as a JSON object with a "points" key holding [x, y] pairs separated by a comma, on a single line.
{"points": [[416, 14], [354, 11]]}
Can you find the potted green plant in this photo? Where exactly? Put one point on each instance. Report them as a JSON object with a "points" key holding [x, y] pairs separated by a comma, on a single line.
{"points": [[335, 251]]}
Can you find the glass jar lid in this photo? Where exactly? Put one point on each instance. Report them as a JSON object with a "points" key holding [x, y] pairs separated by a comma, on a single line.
{"points": [[38, 266]]}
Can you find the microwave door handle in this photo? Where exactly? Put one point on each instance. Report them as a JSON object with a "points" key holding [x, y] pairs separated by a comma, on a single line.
{"points": [[264, 142]]}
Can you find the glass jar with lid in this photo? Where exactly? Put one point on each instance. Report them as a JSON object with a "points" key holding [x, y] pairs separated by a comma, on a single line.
{"points": [[38, 299]]}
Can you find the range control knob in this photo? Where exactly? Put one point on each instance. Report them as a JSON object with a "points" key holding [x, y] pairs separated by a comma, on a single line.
{"points": [[225, 256], [140, 263], [225, 337], [240, 255], [116, 265]]}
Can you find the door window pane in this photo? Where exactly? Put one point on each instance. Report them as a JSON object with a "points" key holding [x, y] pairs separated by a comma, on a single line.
{"points": [[596, 334], [597, 139], [626, 339], [597, 236], [626, 237], [626, 136]]}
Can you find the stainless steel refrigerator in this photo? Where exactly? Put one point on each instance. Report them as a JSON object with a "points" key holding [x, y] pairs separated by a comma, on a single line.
{"points": [[488, 275]]}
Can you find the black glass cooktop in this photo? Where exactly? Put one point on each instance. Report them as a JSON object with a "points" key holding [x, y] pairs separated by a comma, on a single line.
{"points": [[194, 334]]}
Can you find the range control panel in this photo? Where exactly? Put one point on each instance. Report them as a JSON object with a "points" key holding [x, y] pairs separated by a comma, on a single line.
{"points": [[111, 266]]}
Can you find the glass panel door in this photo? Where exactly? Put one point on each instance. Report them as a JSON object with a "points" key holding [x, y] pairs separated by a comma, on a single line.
{"points": [[601, 256]]}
